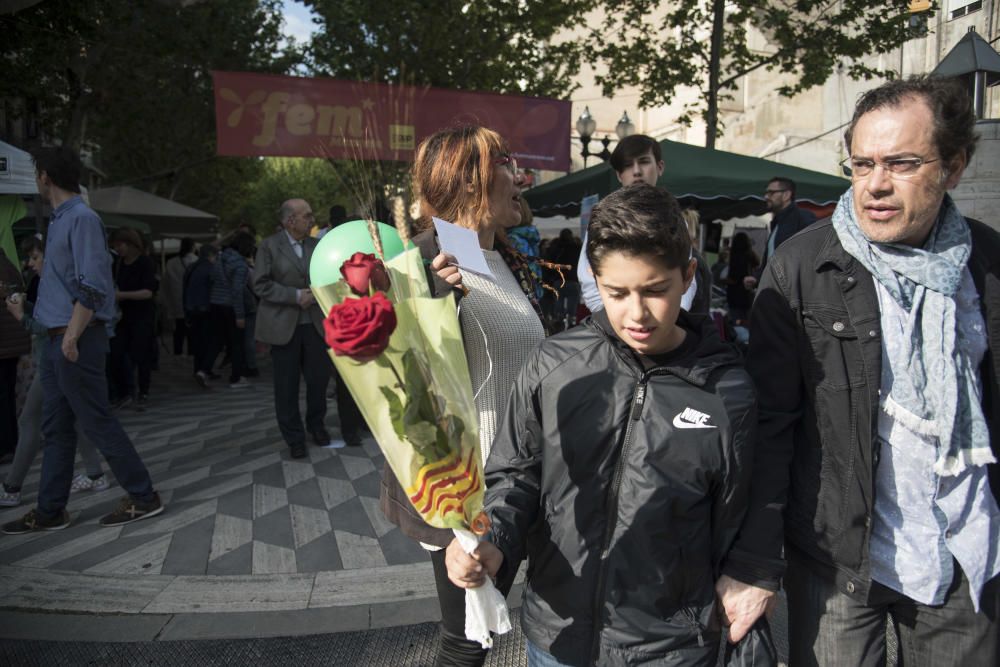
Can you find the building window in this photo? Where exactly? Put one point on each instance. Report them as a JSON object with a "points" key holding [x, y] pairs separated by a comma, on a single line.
{"points": [[959, 8]]}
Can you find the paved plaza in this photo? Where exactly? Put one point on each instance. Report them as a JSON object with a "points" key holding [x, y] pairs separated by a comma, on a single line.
{"points": [[247, 529], [257, 558]]}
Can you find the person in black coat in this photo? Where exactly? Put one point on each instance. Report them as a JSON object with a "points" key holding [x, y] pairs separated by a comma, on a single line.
{"points": [[135, 278], [197, 293]]}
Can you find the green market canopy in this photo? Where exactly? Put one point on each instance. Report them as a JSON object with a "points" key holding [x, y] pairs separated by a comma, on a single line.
{"points": [[720, 185]]}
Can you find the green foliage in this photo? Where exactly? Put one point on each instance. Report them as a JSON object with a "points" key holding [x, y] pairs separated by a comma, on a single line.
{"points": [[808, 39], [504, 47], [275, 179], [395, 410], [131, 82], [416, 415]]}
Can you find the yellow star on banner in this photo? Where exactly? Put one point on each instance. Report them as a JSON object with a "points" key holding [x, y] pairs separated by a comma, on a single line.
{"points": [[367, 104]]}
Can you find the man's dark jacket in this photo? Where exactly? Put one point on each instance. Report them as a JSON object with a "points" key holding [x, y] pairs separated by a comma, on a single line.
{"points": [[816, 356], [624, 486], [702, 302], [786, 223]]}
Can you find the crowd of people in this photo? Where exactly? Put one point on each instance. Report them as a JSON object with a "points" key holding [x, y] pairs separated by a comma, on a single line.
{"points": [[662, 487], [661, 481]]}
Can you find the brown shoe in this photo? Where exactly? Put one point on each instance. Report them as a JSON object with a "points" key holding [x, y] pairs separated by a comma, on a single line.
{"points": [[33, 521], [130, 510]]}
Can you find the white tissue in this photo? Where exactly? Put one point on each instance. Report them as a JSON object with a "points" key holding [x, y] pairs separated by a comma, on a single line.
{"points": [[485, 608]]}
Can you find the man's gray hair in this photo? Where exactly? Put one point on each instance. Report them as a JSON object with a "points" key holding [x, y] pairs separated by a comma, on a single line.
{"points": [[286, 211]]}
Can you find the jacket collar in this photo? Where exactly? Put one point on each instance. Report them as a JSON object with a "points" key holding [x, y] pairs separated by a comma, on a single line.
{"points": [[285, 247], [712, 352], [832, 252]]}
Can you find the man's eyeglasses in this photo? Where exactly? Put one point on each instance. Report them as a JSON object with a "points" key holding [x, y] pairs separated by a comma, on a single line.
{"points": [[768, 193], [507, 160], [903, 167]]}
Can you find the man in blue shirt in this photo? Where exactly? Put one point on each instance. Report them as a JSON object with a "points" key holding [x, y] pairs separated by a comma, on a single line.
{"points": [[76, 302]]}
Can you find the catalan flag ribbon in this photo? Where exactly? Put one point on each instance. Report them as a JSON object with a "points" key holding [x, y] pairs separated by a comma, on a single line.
{"points": [[444, 486]]}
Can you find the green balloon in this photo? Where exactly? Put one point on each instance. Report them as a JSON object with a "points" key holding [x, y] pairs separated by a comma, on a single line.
{"points": [[338, 244]]}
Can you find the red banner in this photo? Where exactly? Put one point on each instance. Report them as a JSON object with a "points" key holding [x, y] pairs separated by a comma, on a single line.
{"points": [[264, 114]]}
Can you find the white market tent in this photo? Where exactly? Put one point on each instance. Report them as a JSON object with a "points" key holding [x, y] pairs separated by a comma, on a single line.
{"points": [[166, 218], [17, 178], [17, 171]]}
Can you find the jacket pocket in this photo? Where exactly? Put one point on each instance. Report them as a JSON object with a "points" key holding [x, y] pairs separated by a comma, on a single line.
{"points": [[833, 353]]}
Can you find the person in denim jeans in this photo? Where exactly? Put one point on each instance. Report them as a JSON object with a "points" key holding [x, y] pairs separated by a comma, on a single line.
{"points": [[29, 439], [75, 304]]}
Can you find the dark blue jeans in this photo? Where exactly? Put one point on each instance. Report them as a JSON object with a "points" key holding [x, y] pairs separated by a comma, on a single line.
{"points": [[539, 658], [79, 392], [829, 628]]}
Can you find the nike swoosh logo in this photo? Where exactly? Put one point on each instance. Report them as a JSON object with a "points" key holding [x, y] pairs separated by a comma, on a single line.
{"points": [[683, 423]]}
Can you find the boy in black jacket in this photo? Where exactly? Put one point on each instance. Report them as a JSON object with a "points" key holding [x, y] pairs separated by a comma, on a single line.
{"points": [[622, 466]]}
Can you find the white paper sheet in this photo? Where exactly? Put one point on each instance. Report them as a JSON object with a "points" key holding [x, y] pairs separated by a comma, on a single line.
{"points": [[463, 244]]}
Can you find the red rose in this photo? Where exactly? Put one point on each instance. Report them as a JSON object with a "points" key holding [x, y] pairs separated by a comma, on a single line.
{"points": [[363, 271], [360, 328]]}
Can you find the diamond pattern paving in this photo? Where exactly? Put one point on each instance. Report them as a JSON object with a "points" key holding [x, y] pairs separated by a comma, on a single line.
{"points": [[237, 503]]}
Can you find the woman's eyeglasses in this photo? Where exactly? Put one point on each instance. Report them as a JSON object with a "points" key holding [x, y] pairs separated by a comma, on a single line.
{"points": [[507, 160]]}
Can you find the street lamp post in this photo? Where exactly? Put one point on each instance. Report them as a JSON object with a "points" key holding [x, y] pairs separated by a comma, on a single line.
{"points": [[586, 126]]}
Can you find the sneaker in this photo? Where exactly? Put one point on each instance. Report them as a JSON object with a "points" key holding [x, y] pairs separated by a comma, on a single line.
{"points": [[122, 403], [32, 521], [142, 402], [130, 510], [252, 373], [83, 483], [9, 498], [201, 378], [239, 384]]}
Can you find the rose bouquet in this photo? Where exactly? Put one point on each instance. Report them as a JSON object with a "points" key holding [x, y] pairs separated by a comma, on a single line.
{"points": [[400, 352]]}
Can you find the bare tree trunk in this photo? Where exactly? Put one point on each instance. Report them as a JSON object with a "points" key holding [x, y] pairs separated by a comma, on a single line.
{"points": [[175, 184], [73, 134], [714, 64]]}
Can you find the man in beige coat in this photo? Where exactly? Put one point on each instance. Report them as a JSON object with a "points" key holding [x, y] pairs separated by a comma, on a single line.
{"points": [[290, 321]]}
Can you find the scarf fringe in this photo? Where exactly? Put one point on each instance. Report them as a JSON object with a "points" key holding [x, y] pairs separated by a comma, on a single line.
{"points": [[951, 465], [911, 421]]}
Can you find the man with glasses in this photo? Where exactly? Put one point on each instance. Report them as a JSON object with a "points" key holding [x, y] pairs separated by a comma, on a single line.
{"points": [[787, 220], [876, 341]]}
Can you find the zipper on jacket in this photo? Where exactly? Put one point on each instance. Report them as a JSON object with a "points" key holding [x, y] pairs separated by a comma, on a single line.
{"points": [[696, 624], [638, 400], [635, 410]]}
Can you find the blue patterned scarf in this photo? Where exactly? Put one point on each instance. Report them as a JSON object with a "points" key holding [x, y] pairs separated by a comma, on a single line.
{"points": [[938, 392]]}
